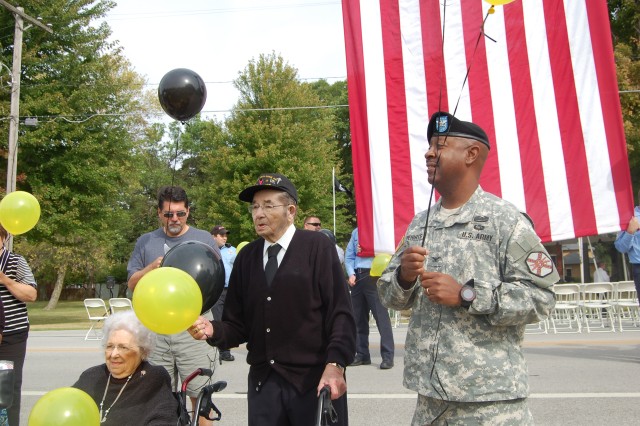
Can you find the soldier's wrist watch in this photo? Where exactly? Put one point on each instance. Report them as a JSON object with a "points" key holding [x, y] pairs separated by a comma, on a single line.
{"points": [[467, 294]]}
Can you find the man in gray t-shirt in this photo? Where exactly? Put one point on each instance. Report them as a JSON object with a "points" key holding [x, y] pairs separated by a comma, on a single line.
{"points": [[176, 352]]}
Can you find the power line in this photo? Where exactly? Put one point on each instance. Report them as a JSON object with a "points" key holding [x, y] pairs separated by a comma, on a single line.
{"points": [[76, 117]]}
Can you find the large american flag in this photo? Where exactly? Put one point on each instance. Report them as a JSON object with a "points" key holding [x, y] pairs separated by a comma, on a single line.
{"points": [[541, 83]]}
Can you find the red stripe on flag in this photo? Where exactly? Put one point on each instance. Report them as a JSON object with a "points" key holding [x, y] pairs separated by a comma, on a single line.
{"points": [[572, 139], [358, 120], [480, 91], [433, 59], [530, 154], [399, 152], [598, 16]]}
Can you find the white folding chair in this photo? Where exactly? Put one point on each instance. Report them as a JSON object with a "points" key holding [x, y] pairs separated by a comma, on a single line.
{"points": [[597, 307], [565, 317], [626, 306], [121, 303], [97, 311], [541, 327]]}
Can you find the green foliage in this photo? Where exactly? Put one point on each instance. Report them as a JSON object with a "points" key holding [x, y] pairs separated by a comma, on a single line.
{"points": [[274, 127], [81, 159], [336, 95]]}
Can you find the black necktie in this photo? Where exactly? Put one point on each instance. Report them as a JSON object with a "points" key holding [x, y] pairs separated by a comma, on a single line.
{"points": [[272, 262]]}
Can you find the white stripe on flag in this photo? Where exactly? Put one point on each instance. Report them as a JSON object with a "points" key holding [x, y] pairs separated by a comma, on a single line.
{"points": [[503, 109], [546, 113], [455, 61], [416, 94], [378, 120], [602, 190]]}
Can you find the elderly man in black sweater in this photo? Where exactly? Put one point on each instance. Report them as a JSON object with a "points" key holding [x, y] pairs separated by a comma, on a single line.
{"points": [[288, 299]]}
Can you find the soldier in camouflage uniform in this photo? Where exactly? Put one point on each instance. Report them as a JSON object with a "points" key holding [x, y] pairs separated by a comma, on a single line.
{"points": [[473, 283]]}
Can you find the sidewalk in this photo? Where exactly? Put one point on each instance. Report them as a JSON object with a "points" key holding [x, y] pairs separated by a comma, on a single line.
{"points": [[575, 379]]}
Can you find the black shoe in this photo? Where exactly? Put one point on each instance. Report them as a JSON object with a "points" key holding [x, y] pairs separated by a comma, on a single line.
{"points": [[360, 361], [385, 365], [226, 356]]}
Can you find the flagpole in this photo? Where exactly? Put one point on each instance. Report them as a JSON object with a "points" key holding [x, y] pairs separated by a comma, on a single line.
{"points": [[593, 254], [333, 185], [581, 260]]}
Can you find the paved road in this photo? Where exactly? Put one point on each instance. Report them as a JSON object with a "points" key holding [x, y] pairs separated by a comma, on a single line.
{"points": [[575, 379]]}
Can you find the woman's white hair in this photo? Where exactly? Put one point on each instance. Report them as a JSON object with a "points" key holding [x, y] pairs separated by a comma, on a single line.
{"points": [[128, 321]]}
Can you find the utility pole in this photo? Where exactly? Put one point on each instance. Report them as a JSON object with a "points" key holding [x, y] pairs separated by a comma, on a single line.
{"points": [[14, 118]]}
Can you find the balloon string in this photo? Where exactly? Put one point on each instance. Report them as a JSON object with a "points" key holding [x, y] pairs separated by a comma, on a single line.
{"points": [[175, 157], [475, 49], [173, 180]]}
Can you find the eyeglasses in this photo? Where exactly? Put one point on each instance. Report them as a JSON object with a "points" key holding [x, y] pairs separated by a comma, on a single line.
{"points": [[169, 215], [267, 208], [122, 349], [313, 223]]}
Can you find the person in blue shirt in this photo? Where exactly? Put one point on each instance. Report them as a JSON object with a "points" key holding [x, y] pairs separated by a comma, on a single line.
{"points": [[628, 241], [228, 253], [364, 298]]}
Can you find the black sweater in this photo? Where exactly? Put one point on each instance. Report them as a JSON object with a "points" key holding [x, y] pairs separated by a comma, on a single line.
{"points": [[147, 399], [298, 324]]}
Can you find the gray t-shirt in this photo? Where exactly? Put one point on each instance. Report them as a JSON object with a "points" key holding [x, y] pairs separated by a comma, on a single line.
{"points": [[157, 243]]}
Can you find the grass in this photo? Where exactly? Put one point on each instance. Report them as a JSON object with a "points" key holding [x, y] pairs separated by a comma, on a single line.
{"points": [[68, 315]]}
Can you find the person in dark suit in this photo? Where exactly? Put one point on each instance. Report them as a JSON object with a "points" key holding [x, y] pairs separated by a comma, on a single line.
{"points": [[288, 299]]}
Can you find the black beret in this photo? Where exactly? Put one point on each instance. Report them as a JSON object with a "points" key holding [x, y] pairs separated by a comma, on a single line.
{"points": [[269, 181], [443, 123]]}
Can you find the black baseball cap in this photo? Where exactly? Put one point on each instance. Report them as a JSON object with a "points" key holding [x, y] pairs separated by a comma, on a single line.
{"points": [[219, 230], [443, 123], [269, 181]]}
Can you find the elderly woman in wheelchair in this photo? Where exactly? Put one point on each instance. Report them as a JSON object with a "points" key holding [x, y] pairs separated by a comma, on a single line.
{"points": [[127, 389]]}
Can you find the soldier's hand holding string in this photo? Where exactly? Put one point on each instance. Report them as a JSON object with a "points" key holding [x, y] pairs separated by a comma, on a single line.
{"points": [[411, 265]]}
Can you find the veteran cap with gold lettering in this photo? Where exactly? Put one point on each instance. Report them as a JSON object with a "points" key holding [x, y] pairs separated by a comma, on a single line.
{"points": [[269, 181]]}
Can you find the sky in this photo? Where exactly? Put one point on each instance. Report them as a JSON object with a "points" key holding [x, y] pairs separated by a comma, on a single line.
{"points": [[217, 39]]}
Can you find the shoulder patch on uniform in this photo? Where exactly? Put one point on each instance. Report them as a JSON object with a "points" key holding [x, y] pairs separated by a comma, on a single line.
{"points": [[539, 263]]}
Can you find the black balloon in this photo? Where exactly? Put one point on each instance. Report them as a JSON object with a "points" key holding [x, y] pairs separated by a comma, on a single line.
{"points": [[203, 264], [182, 94]]}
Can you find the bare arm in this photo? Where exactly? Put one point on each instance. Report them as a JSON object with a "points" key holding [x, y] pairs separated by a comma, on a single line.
{"points": [[137, 276], [22, 292]]}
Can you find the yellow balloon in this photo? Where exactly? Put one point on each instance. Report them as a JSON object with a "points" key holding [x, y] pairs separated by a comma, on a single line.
{"points": [[167, 300], [19, 212], [379, 264], [65, 407], [242, 244], [499, 2]]}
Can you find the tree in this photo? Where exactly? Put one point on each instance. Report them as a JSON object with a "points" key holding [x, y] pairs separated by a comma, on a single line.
{"points": [[274, 127], [80, 159], [336, 95]]}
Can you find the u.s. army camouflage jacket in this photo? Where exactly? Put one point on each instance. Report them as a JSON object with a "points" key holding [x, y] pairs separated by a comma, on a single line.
{"points": [[456, 354]]}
